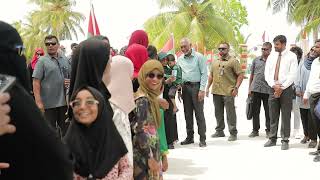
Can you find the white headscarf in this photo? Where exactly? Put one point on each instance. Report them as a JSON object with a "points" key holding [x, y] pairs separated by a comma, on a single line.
{"points": [[117, 78]]}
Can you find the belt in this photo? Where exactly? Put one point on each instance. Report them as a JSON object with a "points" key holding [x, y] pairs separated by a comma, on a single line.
{"points": [[191, 83]]}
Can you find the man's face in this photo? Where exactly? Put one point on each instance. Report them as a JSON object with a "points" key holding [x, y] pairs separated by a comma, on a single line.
{"points": [[74, 48], [164, 62], [223, 49], [52, 46], [316, 48], [185, 47], [266, 50], [279, 47]]}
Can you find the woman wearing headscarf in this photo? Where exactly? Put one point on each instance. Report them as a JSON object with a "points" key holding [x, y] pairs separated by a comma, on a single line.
{"points": [[118, 81], [37, 54], [34, 151], [97, 147], [138, 54], [146, 147], [139, 37], [88, 64]]}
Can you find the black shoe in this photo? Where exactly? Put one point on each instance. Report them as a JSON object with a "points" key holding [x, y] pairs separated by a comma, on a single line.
{"points": [[270, 143], [254, 134], [305, 140], [315, 153], [316, 159], [285, 145], [313, 144], [218, 134], [202, 144], [232, 138], [187, 141], [170, 146]]}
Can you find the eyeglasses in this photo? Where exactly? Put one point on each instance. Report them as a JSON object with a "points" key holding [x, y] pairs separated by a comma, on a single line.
{"points": [[264, 49], [88, 102], [153, 75], [222, 49], [50, 43], [19, 49]]}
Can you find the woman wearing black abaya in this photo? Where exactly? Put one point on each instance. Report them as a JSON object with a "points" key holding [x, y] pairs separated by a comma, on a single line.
{"points": [[94, 141], [34, 151], [88, 64]]}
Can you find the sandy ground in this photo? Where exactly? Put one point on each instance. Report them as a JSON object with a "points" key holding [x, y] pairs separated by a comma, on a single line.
{"points": [[245, 158]]}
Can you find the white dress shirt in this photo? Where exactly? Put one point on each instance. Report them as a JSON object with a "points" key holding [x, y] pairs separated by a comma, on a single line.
{"points": [[287, 71], [313, 85]]}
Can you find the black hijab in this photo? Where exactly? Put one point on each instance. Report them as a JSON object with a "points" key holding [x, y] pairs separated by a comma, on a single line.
{"points": [[96, 148], [10, 44], [88, 64]]}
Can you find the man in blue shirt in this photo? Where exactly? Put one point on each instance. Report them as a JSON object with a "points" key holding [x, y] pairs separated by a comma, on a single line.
{"points": [[194, 77]]}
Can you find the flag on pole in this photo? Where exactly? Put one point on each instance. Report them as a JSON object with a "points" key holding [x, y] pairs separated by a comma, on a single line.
{"points": [[93, 28], [169, 46], [264, 36]]}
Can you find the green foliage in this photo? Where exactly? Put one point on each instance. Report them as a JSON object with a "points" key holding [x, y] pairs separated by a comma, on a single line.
{"points": [[205, 22], [51, 17]]}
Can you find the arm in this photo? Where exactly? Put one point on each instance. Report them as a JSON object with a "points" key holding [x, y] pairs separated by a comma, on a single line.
{"points": [[237, 70], [251, 74], [267, 72], [292, 72], [179, 75], [210, 80], [37, 75], [203, 73], [298, 81]]}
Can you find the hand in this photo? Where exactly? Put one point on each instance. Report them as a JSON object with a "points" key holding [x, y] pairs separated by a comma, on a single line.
{"points": [[4, 165], [154, 167], [66, 83], [164, 163], [179, 96], [305, 101], [40, 106], [163, 103], [207, 92], [201, 96], [249, 93], [234, 92], [5, 127]]}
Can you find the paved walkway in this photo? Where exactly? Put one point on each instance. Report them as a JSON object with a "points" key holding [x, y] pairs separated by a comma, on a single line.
{"points": [[245, 159]]}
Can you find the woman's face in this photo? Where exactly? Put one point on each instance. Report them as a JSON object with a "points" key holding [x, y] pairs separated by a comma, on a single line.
{"points": [[85, 107], [154, 79]]}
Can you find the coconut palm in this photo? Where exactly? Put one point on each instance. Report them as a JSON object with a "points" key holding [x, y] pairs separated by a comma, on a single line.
{"points": [[205, 22]]}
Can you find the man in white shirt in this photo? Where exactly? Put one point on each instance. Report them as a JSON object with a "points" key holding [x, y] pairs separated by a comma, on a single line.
{"points": [[280, 72], [312, 94]]}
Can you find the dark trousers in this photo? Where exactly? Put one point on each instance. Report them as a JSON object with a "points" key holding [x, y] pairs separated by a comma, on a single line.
{"points": [[191, 104], [257, 98], [170, 122], [283, 104], [57, 117], [315, 125], [306, 120], [220, 102]]}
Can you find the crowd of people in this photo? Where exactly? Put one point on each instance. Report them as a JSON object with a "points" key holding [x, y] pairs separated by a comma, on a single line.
{"points": [[99, 115]]}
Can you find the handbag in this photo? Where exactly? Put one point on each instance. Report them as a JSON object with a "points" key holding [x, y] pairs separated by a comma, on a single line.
{"points": [[317, 110], [249, 108]]}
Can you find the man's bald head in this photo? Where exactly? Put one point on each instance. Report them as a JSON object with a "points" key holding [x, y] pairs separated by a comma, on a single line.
{"points": [[185, 45]]}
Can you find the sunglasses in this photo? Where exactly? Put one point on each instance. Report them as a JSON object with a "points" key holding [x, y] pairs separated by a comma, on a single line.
{"points": [[18, 49], [153, 75], [88, 102], [222, 49], [264, 49], [50, 43]]}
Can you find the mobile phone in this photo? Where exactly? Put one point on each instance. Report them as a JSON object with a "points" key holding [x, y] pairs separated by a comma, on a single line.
{"points": [[6, 82]]}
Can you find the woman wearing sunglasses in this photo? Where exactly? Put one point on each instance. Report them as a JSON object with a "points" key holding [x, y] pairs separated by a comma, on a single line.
{"points": [[97, 147], [146, 147]]}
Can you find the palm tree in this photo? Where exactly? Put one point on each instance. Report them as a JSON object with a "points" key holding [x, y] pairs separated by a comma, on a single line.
{"points": [[52, 17], [205, 22]]}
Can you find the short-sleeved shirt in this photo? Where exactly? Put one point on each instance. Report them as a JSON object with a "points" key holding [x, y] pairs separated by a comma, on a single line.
{"points": [[225, 73], [259, 83], [51, 72]]}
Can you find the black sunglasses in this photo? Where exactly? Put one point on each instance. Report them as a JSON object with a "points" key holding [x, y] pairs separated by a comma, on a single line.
{"points": [[50, 43], [153, 75], [19, 49], [264, 49], [222, 49]]}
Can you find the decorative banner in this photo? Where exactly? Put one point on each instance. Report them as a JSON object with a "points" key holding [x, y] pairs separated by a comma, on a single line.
{"points": [[243, 56]]}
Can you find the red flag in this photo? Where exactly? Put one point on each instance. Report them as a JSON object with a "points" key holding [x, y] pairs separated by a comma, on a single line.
{"points": [[93, 28], [169, 46], [264, 36]]}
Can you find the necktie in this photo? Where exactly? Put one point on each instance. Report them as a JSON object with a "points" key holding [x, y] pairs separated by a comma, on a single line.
{"points": [[276, 73]]}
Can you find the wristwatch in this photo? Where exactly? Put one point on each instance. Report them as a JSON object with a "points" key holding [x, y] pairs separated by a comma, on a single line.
{"points": [[236, 88]]}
